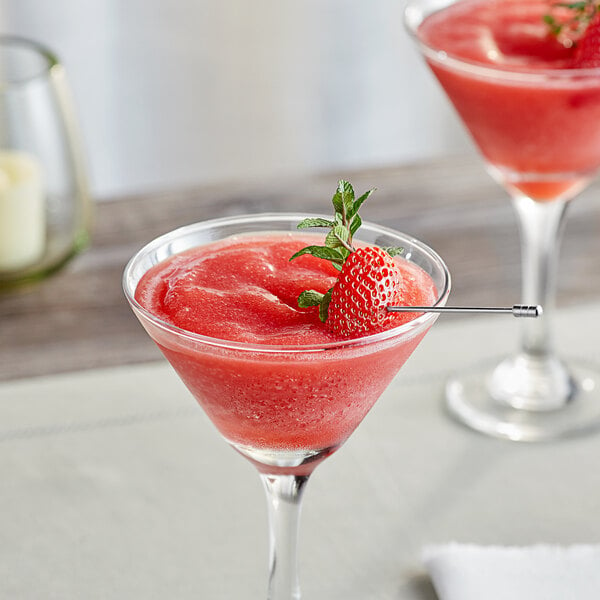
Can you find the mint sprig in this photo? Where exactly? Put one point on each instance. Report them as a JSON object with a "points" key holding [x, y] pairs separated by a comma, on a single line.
{"points": [[338, 240], [346, 222], [582, 13]]}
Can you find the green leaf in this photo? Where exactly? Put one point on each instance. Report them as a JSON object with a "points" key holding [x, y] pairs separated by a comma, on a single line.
{"points": [[320, 252], [310, 298], [359, 202], [344, 252], [314, 222], [393, 250], [343, 199], [347, 192], [337, 236], [338, 203], [324, 306], [338, 241], [582, 13], [555, 28], [355, 224]]}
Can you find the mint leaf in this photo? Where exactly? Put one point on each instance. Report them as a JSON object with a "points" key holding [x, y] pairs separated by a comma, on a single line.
{"points": [[338, 241], [347, 192], [359, 202], [320, 252], [573, 26], [393, 250], [338, 203], [343, 199], [310, 298], [314, 222], [324, 306], [337, 237], [355, 224]]}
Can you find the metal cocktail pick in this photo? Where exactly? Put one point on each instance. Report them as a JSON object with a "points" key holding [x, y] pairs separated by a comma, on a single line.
{"points": [[517, 310]]}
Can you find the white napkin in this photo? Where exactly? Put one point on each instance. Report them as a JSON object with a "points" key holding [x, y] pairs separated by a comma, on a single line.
{"points": [[540, 572]]}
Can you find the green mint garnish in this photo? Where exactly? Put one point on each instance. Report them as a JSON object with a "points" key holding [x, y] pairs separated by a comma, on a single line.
{"points": [[581, 14], [310, 298], [338, 241], [393, 250]]}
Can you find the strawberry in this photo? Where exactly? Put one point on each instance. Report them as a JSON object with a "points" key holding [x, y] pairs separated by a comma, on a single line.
{"points": [[587, 52], [576, 25], [368, 282], [369, 279]]}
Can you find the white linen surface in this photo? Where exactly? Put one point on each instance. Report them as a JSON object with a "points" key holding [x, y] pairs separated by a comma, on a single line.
{"points": [[537, 572]]}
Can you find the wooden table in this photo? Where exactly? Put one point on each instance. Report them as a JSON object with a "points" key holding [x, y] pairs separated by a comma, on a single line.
{"points": [[79, 319]]}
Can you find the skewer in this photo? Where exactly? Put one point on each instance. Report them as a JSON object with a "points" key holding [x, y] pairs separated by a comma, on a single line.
{"points": [[517, 310]]}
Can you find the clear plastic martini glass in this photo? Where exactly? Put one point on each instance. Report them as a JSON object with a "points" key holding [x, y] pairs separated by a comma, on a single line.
{"points": [[539, 134], [338, 382]]}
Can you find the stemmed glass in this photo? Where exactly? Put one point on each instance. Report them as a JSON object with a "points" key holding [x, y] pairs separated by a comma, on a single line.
{"points": [[539, 134], [284, 408], [44, 201]]}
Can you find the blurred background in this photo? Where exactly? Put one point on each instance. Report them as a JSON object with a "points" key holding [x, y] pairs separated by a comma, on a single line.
{"points": [[174, 93]]}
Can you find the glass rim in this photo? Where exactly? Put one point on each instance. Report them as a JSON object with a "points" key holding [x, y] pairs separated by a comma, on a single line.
{"points": [[414, 324], [16, 41], [416, 11]]}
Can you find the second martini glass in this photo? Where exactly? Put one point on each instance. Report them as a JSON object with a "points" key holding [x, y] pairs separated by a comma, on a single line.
{"points": [[284, 407], [536, 122]]}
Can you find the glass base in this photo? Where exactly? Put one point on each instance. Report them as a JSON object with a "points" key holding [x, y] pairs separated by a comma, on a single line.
{"points": [[292, 462], [469, 400]]}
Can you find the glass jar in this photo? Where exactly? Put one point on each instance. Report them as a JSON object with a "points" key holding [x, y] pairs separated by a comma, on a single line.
{"points": [[44, 201]]}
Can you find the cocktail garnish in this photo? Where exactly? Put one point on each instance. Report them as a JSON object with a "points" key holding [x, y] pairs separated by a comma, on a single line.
{"points": [[531, 311], [587, 53], [573, 21], [369, 278]]}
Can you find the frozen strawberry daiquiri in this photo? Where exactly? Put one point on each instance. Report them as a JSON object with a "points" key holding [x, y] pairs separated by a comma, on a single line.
{"points": [[522, 89], [283, 337], [525, 79], [245, 289]]}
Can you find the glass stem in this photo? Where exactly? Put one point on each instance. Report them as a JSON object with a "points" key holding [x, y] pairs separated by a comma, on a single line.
{"points": [[284, 498], [541, 225]]}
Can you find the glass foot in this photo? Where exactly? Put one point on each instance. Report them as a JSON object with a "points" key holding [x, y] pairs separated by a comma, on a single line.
{"points": [[469, 400]]}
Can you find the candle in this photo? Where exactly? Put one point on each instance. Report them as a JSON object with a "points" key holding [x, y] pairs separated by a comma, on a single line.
{"points": [[22, 211]]}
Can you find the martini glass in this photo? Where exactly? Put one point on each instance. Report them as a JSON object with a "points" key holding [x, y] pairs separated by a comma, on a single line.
{"points": [[285, 408], [538, 131]]}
